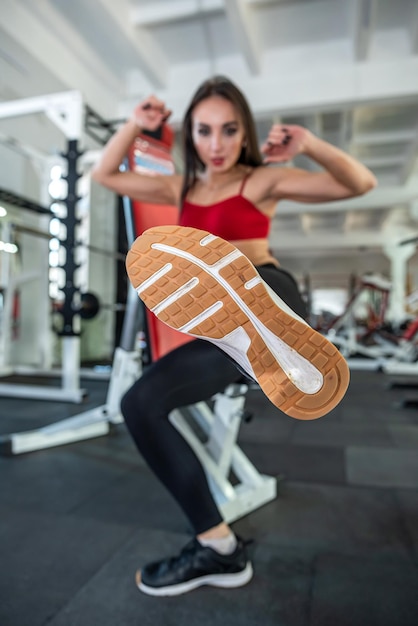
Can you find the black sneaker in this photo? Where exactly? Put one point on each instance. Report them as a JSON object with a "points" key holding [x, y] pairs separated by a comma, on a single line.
{"points": [[196, 565]]}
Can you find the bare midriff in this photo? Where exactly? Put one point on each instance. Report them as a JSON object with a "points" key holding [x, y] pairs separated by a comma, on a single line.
{"points": [[256, 250]]}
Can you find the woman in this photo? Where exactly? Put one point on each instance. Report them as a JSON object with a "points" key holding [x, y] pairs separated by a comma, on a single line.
{"points": [[226, 190]]}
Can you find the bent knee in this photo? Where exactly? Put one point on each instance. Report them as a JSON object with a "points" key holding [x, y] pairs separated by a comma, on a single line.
{"points": [[138, 409]]}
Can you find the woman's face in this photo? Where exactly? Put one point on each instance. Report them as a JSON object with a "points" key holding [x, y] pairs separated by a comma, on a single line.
{"points": [[218, 133]]}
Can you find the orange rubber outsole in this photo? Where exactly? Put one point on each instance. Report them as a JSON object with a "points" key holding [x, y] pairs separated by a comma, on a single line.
{"points": [[202, 285]]}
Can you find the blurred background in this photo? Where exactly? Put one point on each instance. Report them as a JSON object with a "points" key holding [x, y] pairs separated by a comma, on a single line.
{"points": [[346, 69], [338, 545]]}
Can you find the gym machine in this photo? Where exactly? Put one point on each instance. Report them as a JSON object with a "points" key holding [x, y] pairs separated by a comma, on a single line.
{"points": [[65, 110], [237, 485]]}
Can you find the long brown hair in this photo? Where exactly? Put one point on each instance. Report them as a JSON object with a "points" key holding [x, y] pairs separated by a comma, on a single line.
{"points": [[250, 153]]}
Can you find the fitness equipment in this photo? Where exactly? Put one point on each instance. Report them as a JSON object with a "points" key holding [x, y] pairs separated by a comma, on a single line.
{"points": [[94, 422], [220, 453], [66, 111], [18, 279], [374, 338], [88, 307], [399, 367]]}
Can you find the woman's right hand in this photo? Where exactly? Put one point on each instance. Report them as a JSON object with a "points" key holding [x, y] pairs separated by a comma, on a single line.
{"points": [[150, 114]]}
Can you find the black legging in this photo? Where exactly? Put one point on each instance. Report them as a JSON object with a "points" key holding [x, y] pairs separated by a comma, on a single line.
{"points": [[191, 373]]}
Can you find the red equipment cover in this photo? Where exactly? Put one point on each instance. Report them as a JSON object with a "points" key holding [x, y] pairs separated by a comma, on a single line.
{"points": [[153, 156]]}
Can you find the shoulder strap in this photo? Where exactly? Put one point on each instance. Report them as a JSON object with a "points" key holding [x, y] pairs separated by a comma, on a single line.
{"points": [[244, 180]]}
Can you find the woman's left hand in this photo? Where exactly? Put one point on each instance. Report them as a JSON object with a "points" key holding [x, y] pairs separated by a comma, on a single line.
{"points": [[284, 142]]}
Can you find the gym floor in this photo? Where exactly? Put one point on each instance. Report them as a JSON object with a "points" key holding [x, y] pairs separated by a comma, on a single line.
{"points": [[338, 547]]}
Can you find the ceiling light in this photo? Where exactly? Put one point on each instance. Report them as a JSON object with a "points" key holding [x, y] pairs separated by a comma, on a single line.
{"points": [[8, 247]]}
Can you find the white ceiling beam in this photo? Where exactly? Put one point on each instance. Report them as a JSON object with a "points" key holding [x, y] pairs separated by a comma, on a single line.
{"points": [[149, 56], [373, 162], [46, 48], [168, 11], [332, 88], [329, 88], [379, 198], [159, 13], [364, 20], [354, 220], [414, 29], [381, 138], [31, 153], [321, 241], [314, 122], [289, 222], [50, 17], [261, 3], [312, 222], [410, 161], [318, 221], [305, 222], [346, 129], [65, 110], [241, 20]]}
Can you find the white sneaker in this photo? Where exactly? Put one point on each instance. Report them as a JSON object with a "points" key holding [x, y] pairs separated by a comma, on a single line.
{"points": [[203, 286]]}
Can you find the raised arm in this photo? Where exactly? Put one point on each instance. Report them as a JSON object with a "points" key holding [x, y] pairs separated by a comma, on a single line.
{"points": [[343, 175], [158, 189]]}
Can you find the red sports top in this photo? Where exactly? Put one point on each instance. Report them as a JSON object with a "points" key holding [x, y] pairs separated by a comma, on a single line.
{"points": [[233, 219]]}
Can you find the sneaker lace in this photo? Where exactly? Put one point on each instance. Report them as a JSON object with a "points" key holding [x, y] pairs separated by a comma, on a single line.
{"points": [[184, 555]]}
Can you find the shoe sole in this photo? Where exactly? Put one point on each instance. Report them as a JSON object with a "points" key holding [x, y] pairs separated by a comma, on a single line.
{"points": [[203, 286], [227, 581]]}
